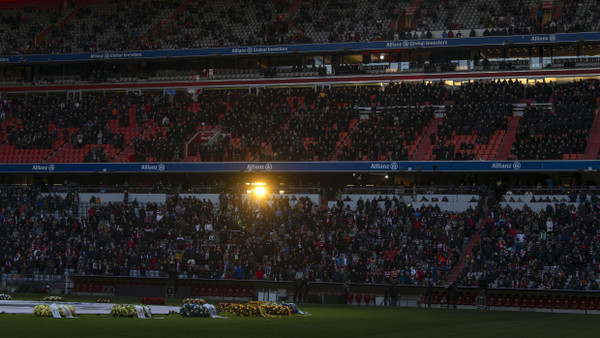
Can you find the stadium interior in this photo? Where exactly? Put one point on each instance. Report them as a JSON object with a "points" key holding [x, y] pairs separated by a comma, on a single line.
{"points": [[220, 148]]}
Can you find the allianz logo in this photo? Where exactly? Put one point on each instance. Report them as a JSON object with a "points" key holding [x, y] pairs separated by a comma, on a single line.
{"points": [[384, 166], [155, 167], [38, 167], [543, 38], [253, 167], [514, 166]]}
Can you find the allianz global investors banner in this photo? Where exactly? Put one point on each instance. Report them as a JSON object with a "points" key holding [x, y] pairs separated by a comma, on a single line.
{"points": [[310, 48], [357, 166]]}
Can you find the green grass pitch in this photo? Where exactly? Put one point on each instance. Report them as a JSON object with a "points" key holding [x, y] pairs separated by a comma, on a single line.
{"points": [[324, 321]]}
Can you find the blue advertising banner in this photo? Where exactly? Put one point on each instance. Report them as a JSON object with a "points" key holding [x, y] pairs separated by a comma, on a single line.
{"points": [[363, 166], [310, 48]]}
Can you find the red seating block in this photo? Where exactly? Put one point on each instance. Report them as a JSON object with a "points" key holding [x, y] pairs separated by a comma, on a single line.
{"points": [[558, 302], [437, 298], [541, 302], [494, 300], [515, 301], [592, 303]]}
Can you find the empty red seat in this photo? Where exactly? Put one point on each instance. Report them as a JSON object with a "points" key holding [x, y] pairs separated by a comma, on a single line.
{"points": [[592, 303], [515, 301], [541, 302], [579, 304], [494, 300], [506, 301], [470, 300], [558, 302], [436, 299], [532, 302]]}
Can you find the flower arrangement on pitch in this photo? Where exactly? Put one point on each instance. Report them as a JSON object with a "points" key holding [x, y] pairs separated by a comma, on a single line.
{"points": [[193, 301], [247, 310], [194, 310], [43, 310], [153, 301], [278, 309], [5, 297], [53, 299], [123, 311], [258, 309]]}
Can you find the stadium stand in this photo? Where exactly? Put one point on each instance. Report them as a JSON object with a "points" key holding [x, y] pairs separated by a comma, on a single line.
{"points": [[551, 248], [480, 120], [21, 27], [116, 25], [535, 238], [377, 241], [559, 131]]}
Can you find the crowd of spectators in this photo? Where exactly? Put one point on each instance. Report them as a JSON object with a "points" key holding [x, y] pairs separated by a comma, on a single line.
{"points": [[51, 121], [313, 131], [19, 28], [48, 121], [381, 241], [172, 123], [546, 133], [338, 123], [479, 108], [247, 117], [212, 24], [501, 17], [556, 248], [117, 25], [388, 135], [576, 16], [314, 123]]}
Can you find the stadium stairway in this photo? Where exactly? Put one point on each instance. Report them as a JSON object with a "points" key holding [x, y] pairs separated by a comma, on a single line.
{"points": [[412, 11], [425, 145], [460, 265], [509, 139], [345, 140], [405, 16], [557, 13], [591, 152], [48, 30], [291, 11], [129, 147], [9, 121], [163, 27], [266, 149], [468, 252]]}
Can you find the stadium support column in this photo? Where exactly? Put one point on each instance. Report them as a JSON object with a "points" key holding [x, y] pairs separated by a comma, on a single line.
{"points": [[66, 282]]}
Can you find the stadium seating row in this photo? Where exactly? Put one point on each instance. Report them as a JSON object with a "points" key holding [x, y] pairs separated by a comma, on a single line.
{"points": [[160, 24]]}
